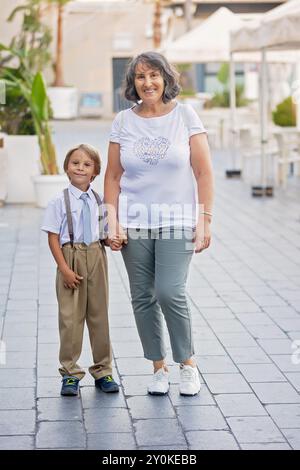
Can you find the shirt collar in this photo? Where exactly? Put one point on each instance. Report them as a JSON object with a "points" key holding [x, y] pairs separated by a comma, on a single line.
{"points": [[77, 192]]}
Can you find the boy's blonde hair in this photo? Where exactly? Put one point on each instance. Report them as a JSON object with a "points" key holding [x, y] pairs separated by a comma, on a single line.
{"points": [[90, 151]]}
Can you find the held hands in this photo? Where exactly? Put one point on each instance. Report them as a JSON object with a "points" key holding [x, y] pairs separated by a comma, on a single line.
{"points": [[118, 240], [71, 279], [202, 237]]}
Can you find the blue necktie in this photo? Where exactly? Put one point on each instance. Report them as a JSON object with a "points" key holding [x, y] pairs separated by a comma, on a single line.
{"points": [[86, 215]]}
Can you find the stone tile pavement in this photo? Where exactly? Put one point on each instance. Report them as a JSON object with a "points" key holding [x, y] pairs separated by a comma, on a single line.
{"points": [[245, 298]]}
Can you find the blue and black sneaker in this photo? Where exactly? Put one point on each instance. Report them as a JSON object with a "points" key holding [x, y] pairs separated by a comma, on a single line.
{"points": [[107, 384], [70, 386]]}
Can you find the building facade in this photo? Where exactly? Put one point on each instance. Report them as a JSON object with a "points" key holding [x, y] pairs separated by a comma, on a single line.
{"points": [[100, 37]]}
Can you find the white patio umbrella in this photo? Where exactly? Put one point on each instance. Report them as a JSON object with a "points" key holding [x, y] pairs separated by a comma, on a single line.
{"points": [[208, 42], [278, 30]]}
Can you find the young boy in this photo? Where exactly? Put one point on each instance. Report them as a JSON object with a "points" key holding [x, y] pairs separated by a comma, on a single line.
{"points": [[74, 221]]}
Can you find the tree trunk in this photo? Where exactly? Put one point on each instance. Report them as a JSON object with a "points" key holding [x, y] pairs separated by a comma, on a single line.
{"points": [[157, 25], [59, 78], [188, 15]]}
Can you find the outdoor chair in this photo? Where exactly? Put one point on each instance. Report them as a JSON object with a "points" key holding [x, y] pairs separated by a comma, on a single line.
{"points": [[250, 152], [288, 153]]}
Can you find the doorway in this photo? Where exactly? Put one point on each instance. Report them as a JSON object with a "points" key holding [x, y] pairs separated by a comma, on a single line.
{"points": [[119, 68]]}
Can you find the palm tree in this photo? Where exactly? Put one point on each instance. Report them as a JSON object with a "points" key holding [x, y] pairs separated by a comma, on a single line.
{"points": [[157, 24], [58, 64]]}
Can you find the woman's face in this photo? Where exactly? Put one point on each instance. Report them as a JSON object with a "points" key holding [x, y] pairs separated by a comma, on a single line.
{"points": [[149, 84]]}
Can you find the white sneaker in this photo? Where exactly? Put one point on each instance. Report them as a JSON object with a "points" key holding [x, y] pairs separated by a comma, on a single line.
{"points": [[160, 383], [189, 380]]}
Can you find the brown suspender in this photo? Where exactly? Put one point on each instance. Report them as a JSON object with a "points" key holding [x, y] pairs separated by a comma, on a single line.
{"points": [[98, 198], [69, 216]]}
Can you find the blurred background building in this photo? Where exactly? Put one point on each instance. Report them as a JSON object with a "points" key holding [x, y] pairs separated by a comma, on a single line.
{"points": [[101, 36]]}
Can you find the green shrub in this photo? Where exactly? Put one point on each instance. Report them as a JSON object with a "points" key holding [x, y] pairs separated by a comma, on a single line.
{"points": [[187, 93], [222, 99], [285, 113]]}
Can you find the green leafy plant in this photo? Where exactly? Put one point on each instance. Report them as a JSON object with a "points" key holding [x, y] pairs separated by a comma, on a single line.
{"points": [[223, 74], [185, 80], [32, 42], [15, 115], [222, 99], [33, 90], [187, 92], [26, 86], [34, 37], [285, 113]]}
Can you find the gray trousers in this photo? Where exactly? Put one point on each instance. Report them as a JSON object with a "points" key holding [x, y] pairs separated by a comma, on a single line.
{"points": [[157, 268]]}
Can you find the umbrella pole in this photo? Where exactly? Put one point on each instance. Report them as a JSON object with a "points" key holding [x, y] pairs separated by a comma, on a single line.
{"points": [[233, 173], [297, 96], [263, 189]]}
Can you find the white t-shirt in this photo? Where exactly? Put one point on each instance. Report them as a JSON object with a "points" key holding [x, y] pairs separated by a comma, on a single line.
{"points": [[157, 186]]}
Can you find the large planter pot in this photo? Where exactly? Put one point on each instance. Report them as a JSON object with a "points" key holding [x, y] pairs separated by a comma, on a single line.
{"points": [[64, 102], [47, 186], [23, 156], [3, 172]]}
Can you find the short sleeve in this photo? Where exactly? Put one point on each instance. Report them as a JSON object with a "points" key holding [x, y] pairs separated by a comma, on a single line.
{"points": [[195, 124], [116, 129], [53, 217]]}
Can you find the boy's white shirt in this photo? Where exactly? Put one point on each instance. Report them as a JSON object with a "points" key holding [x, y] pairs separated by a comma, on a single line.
{"points": [[55, 218]]}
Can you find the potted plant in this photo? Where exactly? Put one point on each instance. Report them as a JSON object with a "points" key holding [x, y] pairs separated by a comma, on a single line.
{"points": [[222, 99], [27, 112], [285, 113], [3, 172], [33, 90], [20, 143], [64, 99]]}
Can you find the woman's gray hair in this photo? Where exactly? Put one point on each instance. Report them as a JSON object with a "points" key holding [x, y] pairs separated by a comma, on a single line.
{"points": [[158, 62]]}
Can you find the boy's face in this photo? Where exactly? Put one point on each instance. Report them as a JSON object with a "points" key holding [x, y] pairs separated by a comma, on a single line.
{"points": [[81, 170]]}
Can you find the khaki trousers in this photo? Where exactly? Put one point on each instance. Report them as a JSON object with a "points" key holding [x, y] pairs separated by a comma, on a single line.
{"points": [[89, 302]]}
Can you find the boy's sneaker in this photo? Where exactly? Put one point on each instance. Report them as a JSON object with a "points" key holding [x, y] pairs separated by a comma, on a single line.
{"points": [[107, 384], [160, 383], [70, 386], [189, 380]]}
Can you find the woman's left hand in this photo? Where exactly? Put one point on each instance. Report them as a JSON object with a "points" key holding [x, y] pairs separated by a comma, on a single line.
{"points": [[202, 237], [116, 244]]}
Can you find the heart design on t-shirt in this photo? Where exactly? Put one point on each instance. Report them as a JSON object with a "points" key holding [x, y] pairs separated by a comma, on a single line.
{"points": [[151, 150]]}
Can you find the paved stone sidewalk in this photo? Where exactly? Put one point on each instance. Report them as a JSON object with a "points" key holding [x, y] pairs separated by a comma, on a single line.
{"points": [[245, 297]]}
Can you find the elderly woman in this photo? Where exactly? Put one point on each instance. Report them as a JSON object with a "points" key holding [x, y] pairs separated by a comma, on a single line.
{"points": [[156, 147]]}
